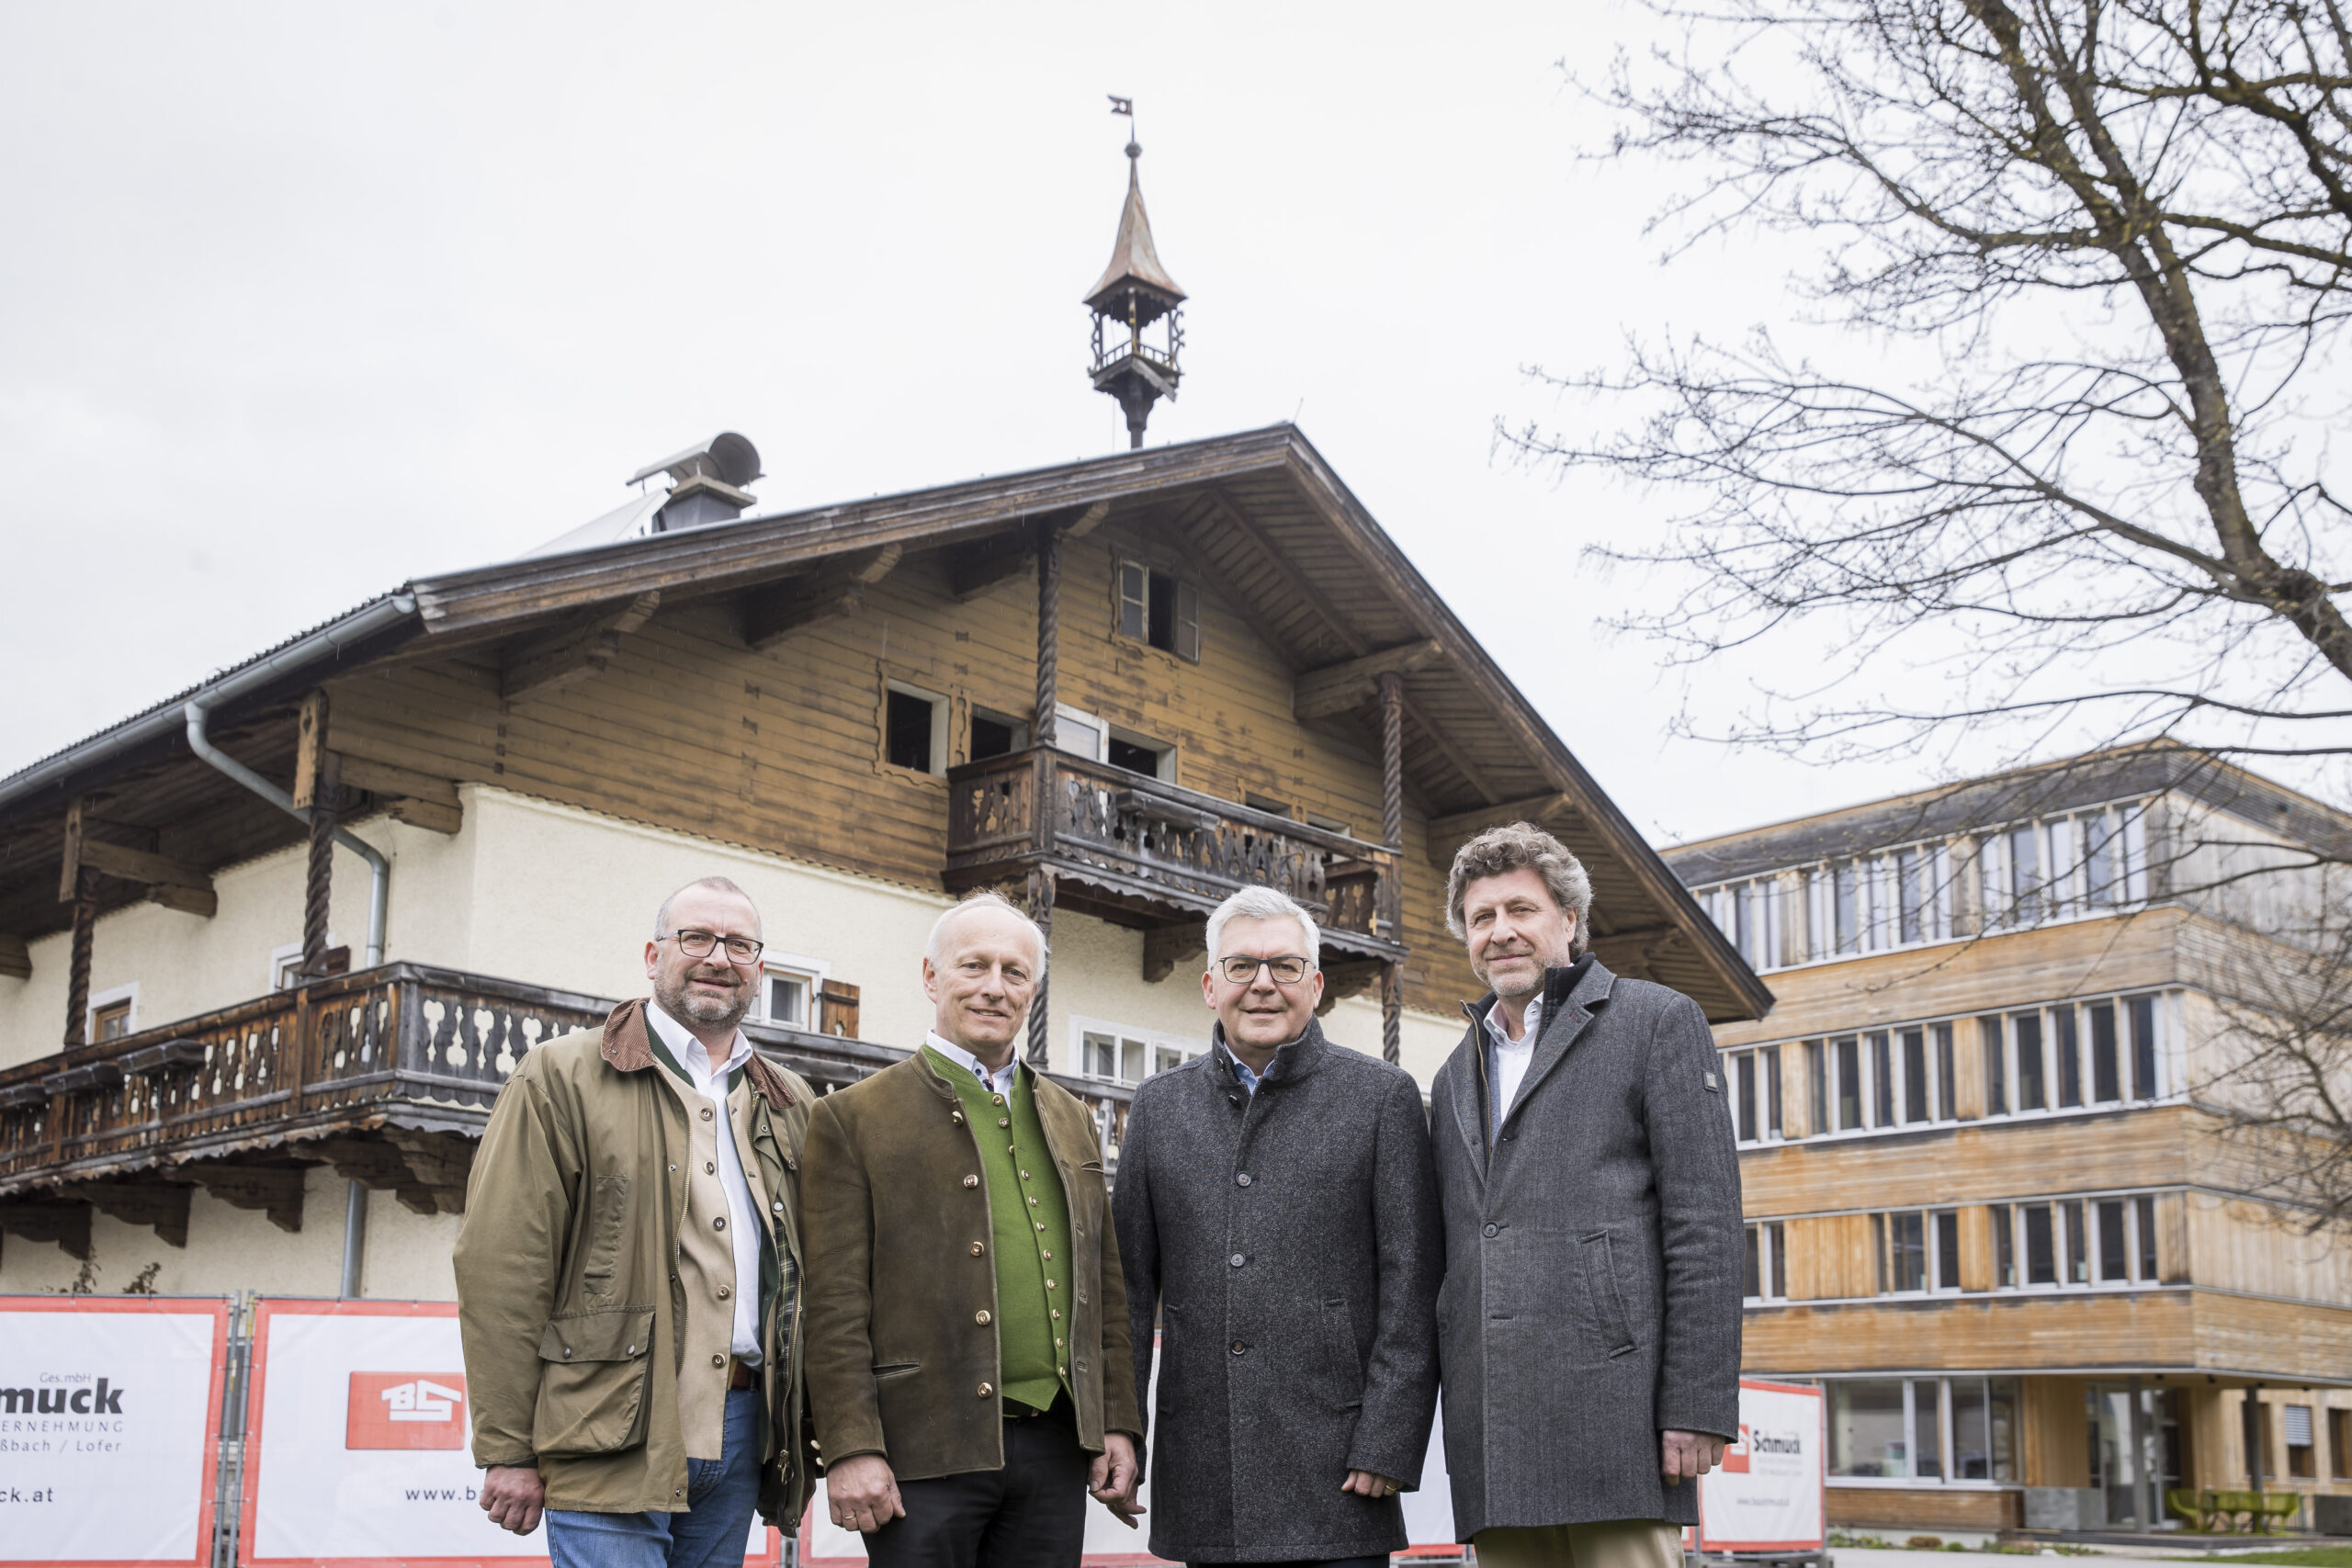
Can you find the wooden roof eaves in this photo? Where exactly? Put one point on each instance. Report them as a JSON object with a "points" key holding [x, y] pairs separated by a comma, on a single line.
{"points": [[1372, 545], [724, 556]]}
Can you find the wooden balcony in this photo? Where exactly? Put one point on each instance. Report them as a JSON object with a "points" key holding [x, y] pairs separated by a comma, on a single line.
{"points": [[387, 1075], [1140, 852]]}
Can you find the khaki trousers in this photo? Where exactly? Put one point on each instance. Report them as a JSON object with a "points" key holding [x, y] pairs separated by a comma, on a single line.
{"points": [[1614, 1543]]}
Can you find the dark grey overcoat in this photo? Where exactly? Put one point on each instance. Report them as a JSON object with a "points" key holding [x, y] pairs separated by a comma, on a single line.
{"points": [[1289, 1241], [1593, 1258]]}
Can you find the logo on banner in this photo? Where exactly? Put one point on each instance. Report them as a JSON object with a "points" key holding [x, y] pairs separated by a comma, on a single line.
{"points": [[1735, 1456], [406, 1410]]}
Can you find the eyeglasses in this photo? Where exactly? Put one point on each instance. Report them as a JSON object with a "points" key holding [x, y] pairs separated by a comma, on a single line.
{"points": [[1240, 971], [701, 945]]}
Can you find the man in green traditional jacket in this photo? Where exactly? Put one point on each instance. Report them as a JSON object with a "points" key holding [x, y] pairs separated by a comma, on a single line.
{"points": [[968, 1359]]}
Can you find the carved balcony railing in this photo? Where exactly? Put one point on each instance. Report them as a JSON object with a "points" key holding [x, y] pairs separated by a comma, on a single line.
{"points": [[1143, 852], [402, 1052]]}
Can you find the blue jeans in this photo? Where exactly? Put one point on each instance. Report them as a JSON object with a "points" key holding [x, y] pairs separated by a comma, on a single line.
{"points": [[710, 1532]]}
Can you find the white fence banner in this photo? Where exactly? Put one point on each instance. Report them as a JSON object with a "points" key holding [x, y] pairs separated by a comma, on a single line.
{"points": [[359, 1445], [109, 1420], [1768, 1495]]}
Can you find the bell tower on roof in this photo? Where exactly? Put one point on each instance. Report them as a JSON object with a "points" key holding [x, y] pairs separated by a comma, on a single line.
{"points": [[1134, 292]]}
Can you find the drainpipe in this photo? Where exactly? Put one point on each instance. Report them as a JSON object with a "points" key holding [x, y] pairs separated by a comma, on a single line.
{"points": [[355, 1239], [380, 870]]}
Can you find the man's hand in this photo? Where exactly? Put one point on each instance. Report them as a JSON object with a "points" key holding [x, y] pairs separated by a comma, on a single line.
{"points": [[513, 1497], [1114, 1476], [1364, 1483], [1688, 1453], [862, 1494]]}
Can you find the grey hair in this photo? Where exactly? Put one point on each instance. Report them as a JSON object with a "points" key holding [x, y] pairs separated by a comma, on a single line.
{"points": [[713, 883], [986, 898], [1264, 904], [1522, 846]]}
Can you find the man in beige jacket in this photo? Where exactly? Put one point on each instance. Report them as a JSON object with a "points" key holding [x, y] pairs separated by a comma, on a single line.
{"points": [[629, 1275]]}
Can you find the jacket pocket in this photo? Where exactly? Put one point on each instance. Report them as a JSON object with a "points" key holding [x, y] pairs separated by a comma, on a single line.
{"points": [[895, 1368], [1604, 1296], [607, 1224], [592, 1375], [1343, 1376]]}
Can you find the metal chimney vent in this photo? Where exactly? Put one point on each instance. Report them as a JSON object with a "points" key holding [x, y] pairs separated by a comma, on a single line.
{"points": [[710, 479]]}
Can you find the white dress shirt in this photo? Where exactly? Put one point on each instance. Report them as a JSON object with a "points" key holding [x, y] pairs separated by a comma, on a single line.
{"points": [[742, 1216], [997, 1082], [1512, 1056]]}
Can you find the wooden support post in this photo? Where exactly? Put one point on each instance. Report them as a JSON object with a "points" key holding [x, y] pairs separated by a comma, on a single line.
{"points": [[1041, 910], [1049, 609], [1044, 730], [77, 971], [1392, 833], [318, 883]]}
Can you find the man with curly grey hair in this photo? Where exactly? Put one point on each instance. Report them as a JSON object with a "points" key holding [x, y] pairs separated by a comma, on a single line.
{"points": [[1590, 1314]]}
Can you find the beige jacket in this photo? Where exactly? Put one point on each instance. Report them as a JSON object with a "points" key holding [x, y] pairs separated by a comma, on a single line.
{"points": [[570, 1303]]}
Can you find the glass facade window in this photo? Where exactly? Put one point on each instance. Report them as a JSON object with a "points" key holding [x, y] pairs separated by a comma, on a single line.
{"points": [[1996, 1074], [1936, 1430], [1867, 1428], [1850, 1082], [2062, 1046], [2143, 1047], [2075, 864], [2107, 1082], [2033, 1090]]}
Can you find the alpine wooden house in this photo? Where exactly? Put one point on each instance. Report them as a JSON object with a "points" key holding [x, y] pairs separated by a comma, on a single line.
{"points": [[271, 947]]}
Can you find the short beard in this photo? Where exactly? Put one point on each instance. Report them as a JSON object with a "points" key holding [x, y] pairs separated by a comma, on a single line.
{"points": [[687, 1008]]}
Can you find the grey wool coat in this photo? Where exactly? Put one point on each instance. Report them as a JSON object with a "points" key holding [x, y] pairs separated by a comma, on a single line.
{"points": [[1289, 1241], [1593, 1258]]}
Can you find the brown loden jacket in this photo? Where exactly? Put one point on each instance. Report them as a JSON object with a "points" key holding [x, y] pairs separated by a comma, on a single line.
{"points": [[569, 1300], [902, 1344]]}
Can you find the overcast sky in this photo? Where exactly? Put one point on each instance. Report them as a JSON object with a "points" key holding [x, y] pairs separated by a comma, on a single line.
{"points": [[304, 300]]}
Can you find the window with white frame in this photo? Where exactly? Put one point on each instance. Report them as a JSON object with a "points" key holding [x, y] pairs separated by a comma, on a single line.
{"points": [[2076, 1243], [2057, 1058], [2069, 1055], [2071, 865], [286, 963], [914, 727], [792, 990], [1122, 1053], [1940, 1430], [1159, 610], [114, 1013], [1918, 1251], [1767, 1274], [1755, 1093]]}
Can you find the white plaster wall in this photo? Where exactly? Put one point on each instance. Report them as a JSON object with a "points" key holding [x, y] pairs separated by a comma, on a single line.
{"points": [[228, 1249], [185, 964]]}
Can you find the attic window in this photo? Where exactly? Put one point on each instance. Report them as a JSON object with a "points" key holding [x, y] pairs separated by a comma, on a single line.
{"points": [[1159, 610]]}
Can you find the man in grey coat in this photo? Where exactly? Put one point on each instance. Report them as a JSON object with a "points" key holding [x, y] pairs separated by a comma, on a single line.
{"points": [[1277, 1211], [1590, 1315]]}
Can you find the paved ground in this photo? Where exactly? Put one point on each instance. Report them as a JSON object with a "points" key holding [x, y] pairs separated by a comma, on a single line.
{"points": [[2108, 1557]]}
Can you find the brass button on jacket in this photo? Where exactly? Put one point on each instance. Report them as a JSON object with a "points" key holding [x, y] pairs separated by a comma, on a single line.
{"points": [[971, 1181], [981, 1318]]}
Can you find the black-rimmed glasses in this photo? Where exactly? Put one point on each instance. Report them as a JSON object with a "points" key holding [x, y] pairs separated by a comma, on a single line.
{"points": [[1240, 971], [702, 944]]}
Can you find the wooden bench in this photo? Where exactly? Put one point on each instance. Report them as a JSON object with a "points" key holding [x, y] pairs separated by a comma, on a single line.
{"points": [[2214, 1510]]}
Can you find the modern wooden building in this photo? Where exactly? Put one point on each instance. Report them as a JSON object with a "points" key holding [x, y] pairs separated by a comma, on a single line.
{"points": [[1991, 1202], [291, 930]]}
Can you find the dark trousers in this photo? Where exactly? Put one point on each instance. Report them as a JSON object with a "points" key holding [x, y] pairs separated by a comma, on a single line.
{"points": [[1030, 1513]]}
